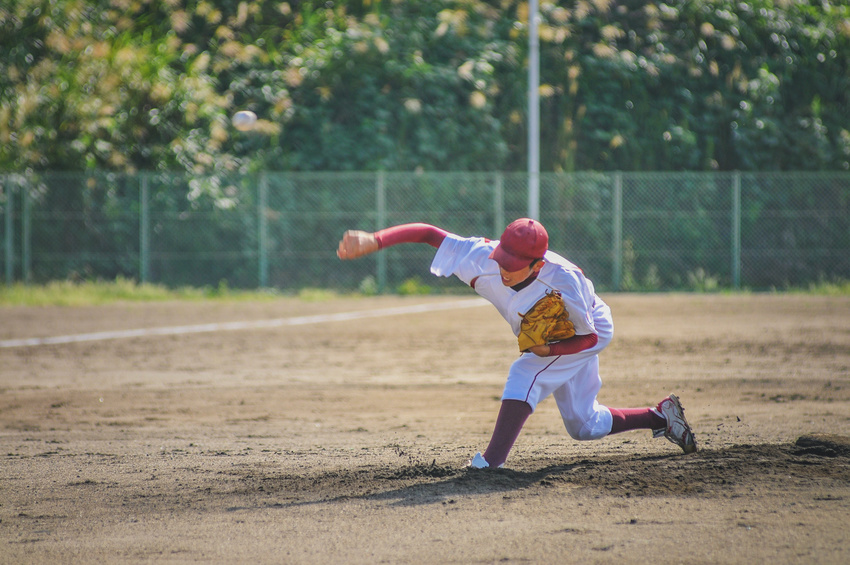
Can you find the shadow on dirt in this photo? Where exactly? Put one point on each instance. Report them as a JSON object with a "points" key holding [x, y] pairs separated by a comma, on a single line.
{"points": [[812, 460]]}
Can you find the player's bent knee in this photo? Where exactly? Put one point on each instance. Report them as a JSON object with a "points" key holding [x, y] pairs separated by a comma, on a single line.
{"points": [[588, 431]]}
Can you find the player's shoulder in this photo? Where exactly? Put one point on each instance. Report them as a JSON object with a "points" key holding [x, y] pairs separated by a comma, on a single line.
{"points": [[464, 253], [564, 275], [561, 267]]}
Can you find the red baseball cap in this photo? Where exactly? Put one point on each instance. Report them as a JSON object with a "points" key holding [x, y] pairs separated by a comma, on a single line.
{"points": [[524, 241]]}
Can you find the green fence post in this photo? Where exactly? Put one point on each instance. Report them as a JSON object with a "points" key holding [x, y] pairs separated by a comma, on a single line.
{"points": [[144, 230], [736, 231], [26, 239], [380, 223], [263, 235], [617, 231], [10, 237], [498, 205]]}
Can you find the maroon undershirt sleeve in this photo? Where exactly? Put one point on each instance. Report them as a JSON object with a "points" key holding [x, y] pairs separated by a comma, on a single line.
{"points": [[410, 233], [573, 345]]}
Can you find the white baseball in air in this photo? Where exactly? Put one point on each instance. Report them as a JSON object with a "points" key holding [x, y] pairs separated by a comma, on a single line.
{"points": [[244, 120]]}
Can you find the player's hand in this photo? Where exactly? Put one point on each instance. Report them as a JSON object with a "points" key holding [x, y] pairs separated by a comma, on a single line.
{"points": [[356, 243], [540, 350]]}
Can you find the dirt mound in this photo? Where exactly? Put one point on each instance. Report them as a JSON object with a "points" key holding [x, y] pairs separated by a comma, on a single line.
{"points": [[826, 445], [707, 473]]}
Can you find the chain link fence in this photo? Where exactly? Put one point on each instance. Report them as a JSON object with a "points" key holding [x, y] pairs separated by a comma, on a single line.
{"points": [[628, 231]]}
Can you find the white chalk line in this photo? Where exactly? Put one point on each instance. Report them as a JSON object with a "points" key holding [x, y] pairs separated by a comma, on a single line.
{"points": [[251, 325]]}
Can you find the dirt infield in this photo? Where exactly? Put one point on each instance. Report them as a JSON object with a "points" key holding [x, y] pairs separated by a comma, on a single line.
{"points": [[345, 442]]}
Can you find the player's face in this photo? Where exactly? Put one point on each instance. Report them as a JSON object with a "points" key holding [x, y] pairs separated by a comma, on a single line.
{"points": [[512, 278]]}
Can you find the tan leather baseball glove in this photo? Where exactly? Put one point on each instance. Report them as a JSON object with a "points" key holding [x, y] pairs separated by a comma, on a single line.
{"points": [[547, 321]]}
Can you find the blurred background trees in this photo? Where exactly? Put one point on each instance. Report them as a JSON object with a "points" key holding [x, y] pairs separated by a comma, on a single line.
{"points": [[131, 85]]}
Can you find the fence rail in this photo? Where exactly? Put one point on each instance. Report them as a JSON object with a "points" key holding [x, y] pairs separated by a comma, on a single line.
{"points": [[629, 231]]}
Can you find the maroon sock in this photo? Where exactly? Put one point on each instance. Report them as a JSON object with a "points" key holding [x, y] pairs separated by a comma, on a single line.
{"points": [[512, 416], [626, 419]]}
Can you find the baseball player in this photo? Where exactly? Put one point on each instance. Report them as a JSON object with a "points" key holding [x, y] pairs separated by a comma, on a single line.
{"points": [[516, 274]]}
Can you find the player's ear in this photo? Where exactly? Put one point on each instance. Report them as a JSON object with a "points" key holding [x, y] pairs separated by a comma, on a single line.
{"points": [[537, 266]]}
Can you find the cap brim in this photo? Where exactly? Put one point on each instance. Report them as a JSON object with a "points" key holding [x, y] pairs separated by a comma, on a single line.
{"points": [[508, 261]]}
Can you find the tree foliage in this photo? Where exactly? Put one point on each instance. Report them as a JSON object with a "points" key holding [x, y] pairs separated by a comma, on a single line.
{"points": [[128, 85]]}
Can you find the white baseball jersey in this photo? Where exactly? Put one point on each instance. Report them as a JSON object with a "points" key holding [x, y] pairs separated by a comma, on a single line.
{"points": [[467, 258], [573, 380]]}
